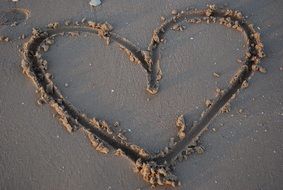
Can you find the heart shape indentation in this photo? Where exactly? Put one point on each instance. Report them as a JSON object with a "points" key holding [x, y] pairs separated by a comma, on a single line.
{"points": [[155, 168]]}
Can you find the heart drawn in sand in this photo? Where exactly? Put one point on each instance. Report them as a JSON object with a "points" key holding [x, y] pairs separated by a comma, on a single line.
{"points": [[155, 168]]}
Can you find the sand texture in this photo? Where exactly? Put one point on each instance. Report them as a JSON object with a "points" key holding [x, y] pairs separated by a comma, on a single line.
{"points": [[135, 95]]}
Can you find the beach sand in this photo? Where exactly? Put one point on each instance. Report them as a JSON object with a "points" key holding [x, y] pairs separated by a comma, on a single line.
{"points": [[243, 148]]}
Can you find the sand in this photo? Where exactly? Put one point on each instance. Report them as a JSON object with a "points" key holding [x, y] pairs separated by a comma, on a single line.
{"points": [[101, 82]]}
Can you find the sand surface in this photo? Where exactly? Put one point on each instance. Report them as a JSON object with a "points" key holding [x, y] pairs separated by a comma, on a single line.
{"points": [[242, 150]]}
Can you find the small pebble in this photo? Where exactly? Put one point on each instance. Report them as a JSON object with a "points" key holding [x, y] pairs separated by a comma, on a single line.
{"points": [[216, 74], [95, 3], [83, 20], [14, 24], [174, 12]]}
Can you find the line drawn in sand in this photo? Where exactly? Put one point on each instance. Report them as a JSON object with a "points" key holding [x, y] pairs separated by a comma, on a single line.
{"points": [[13, 16], [156, 169]]}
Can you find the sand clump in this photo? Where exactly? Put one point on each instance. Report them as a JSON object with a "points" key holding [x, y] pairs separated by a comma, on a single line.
{"points": [[226, 108], [4, 39], [53, 25], [180, 123], [258, 68], [130, 55], [103, 30], [245, 84], [156, 174], [208, 103]]}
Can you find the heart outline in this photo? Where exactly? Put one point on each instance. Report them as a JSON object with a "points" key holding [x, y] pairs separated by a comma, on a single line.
{"points": [[161, 164]]}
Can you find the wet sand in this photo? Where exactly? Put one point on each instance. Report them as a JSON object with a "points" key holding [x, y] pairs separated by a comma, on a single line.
{"points": [[103, 83]]}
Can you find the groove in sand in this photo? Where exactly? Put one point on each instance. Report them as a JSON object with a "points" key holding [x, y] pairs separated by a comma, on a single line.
{"points": [[155, 169]]}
